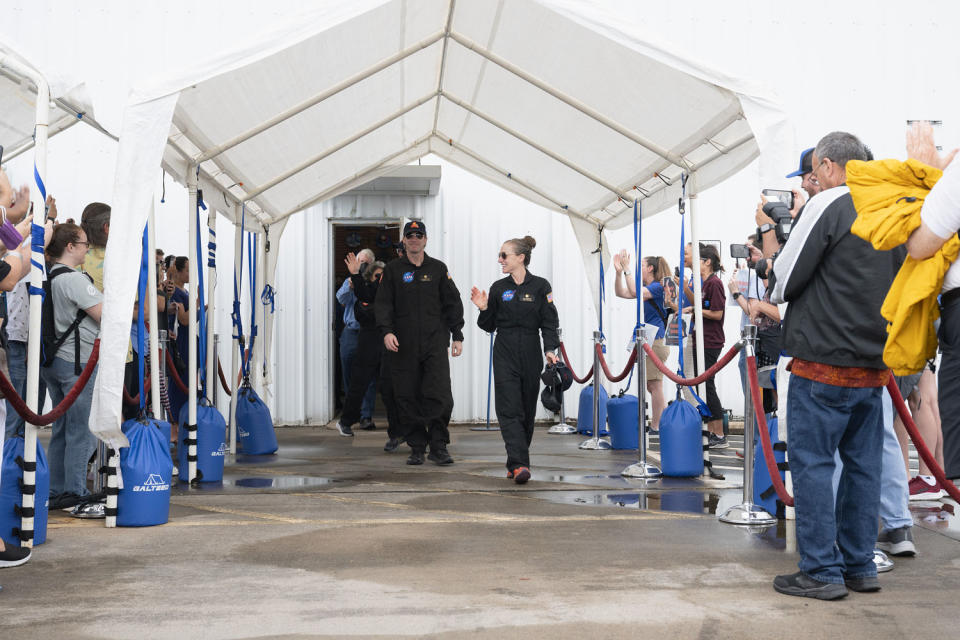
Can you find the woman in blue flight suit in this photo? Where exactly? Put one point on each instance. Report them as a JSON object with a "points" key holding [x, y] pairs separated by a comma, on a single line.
{"points": [[518, 308]]}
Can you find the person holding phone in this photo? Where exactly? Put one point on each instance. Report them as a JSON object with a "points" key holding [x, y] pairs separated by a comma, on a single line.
{"points": [[520, 309], [655, 312]]}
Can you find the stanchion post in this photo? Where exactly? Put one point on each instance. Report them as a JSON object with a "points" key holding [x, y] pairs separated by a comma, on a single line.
{"points": [[641, 469], [748, 513], [561, 428], [596, 443], [489, 384], [214, 380]]}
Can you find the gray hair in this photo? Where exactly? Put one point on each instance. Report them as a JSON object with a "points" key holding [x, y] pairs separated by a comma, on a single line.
{"points": [[841, 147], [368, 273], [366, 253]]}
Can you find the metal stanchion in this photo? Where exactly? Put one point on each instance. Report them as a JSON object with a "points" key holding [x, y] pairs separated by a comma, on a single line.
{"points": [[561, 428], [748, 513], [596, 442], [489, 383], [641, 468]]}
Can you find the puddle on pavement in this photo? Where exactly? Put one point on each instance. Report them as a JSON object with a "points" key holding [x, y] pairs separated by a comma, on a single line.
{"points": [[941, 517], [231, 481]]}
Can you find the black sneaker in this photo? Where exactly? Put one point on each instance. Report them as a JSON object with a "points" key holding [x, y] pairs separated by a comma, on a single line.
{"points": [[416, 457], [800, 584], [344, 429], [392, 445], [14, 556], [367, 424], [717, 442], [440, 455], [897, 542], [866, 584], [64, 501]]}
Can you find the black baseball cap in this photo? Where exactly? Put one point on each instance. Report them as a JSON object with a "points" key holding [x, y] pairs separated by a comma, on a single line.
{"points": [[415, 225], [806, 163]]}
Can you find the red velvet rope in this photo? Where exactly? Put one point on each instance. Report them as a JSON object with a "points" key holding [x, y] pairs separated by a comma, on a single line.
{"points": [[223, 379], [132, 400], [57, 412], [703, 377], [172, 370], [918, 442], [606, 371], [566, 359], [771, 462]]}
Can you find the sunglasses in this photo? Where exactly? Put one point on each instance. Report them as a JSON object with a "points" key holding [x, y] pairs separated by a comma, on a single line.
{"points": [[414, 234], [503, 256]]}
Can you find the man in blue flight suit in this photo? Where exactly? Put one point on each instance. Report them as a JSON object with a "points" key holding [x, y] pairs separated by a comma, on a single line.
{"points": [[418, 310]]}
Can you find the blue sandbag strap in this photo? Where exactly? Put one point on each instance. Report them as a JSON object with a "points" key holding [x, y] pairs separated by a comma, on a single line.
{"points": [[141, 323]]}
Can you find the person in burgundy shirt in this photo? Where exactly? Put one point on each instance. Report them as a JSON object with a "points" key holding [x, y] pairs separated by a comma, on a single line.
{"points": [[714, 301]]}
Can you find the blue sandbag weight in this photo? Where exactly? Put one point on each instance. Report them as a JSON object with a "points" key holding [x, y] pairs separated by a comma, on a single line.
{"points": [[147, 471], [681, 440], [10, 496], [255, 434], [585, 411], [211, 443], [622, 416], [764, 495]]}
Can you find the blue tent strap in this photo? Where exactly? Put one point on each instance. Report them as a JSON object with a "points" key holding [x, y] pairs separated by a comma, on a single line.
{"points": [[202, 338], [141, 322], [36, 236], [268, 297]]}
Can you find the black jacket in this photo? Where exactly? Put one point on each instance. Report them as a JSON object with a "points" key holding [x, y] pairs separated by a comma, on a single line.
{"points": [[527, 308], [835, 283], [420, 305], [366, 292]]}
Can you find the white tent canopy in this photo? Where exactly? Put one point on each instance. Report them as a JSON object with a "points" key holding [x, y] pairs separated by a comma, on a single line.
{"points": [[557, 101]]}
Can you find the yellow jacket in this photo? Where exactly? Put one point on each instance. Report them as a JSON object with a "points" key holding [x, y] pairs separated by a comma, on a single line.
{"points": [[888, 195]]}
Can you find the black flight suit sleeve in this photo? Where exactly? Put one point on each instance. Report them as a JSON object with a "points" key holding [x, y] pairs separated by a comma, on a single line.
{"points": [[487, 320], [549, 319], [452, 306], [383, 304]]}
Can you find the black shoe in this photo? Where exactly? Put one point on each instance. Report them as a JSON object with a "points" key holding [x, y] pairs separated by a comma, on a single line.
{"points": [[866, 584], [440, 455], [14, 556], [367, 424], [392, 445], [416, 457], [717, 442], [344, 429], [897, 542], [64, 501], [800, 584]]}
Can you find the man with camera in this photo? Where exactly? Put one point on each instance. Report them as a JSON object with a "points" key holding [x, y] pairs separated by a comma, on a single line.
{"points": [[835, 283]]}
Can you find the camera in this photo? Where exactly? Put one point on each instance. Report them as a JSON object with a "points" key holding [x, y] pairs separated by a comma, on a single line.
{"points": [[363, 267], [739, 251], [782, 195], [779, 212]]}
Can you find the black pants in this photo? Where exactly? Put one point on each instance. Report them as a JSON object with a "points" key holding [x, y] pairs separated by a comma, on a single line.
{"points": [[710, 357], [367, 365], [421, 386], [948, 386], [517, 362]]}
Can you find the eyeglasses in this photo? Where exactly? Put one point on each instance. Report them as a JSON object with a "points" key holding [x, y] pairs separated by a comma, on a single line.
{"points": [[503, 256], [414, 234], [83, 243], [814, 172]]}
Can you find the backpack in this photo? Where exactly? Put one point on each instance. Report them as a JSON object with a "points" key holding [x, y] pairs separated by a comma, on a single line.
{"points": [[50, 342]]}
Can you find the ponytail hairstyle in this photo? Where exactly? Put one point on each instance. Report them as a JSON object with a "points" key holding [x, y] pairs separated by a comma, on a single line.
{"points": [[660, 267], [63, 234], [523, 246], [709, 252]]}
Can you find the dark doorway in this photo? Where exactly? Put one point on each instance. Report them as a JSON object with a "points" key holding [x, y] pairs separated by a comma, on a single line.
{"points": [[382, 239]]}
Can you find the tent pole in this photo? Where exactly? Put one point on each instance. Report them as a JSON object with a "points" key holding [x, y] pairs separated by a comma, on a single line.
{"points": [[358, 178], [153, 311], [194, 275], [258, 374], [337, 147], [303, 106], [36, 282], [211, 290], [547, 152], [576, 104], [235, 350]]}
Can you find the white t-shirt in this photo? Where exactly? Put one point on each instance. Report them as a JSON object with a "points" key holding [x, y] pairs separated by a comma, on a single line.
{"points": [[941, 214]]}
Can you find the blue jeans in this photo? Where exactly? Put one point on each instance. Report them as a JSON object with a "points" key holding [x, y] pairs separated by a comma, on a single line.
{"points": [[71, 443], [894, 492], [835, 538], [17, 362], [348, 347]]}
